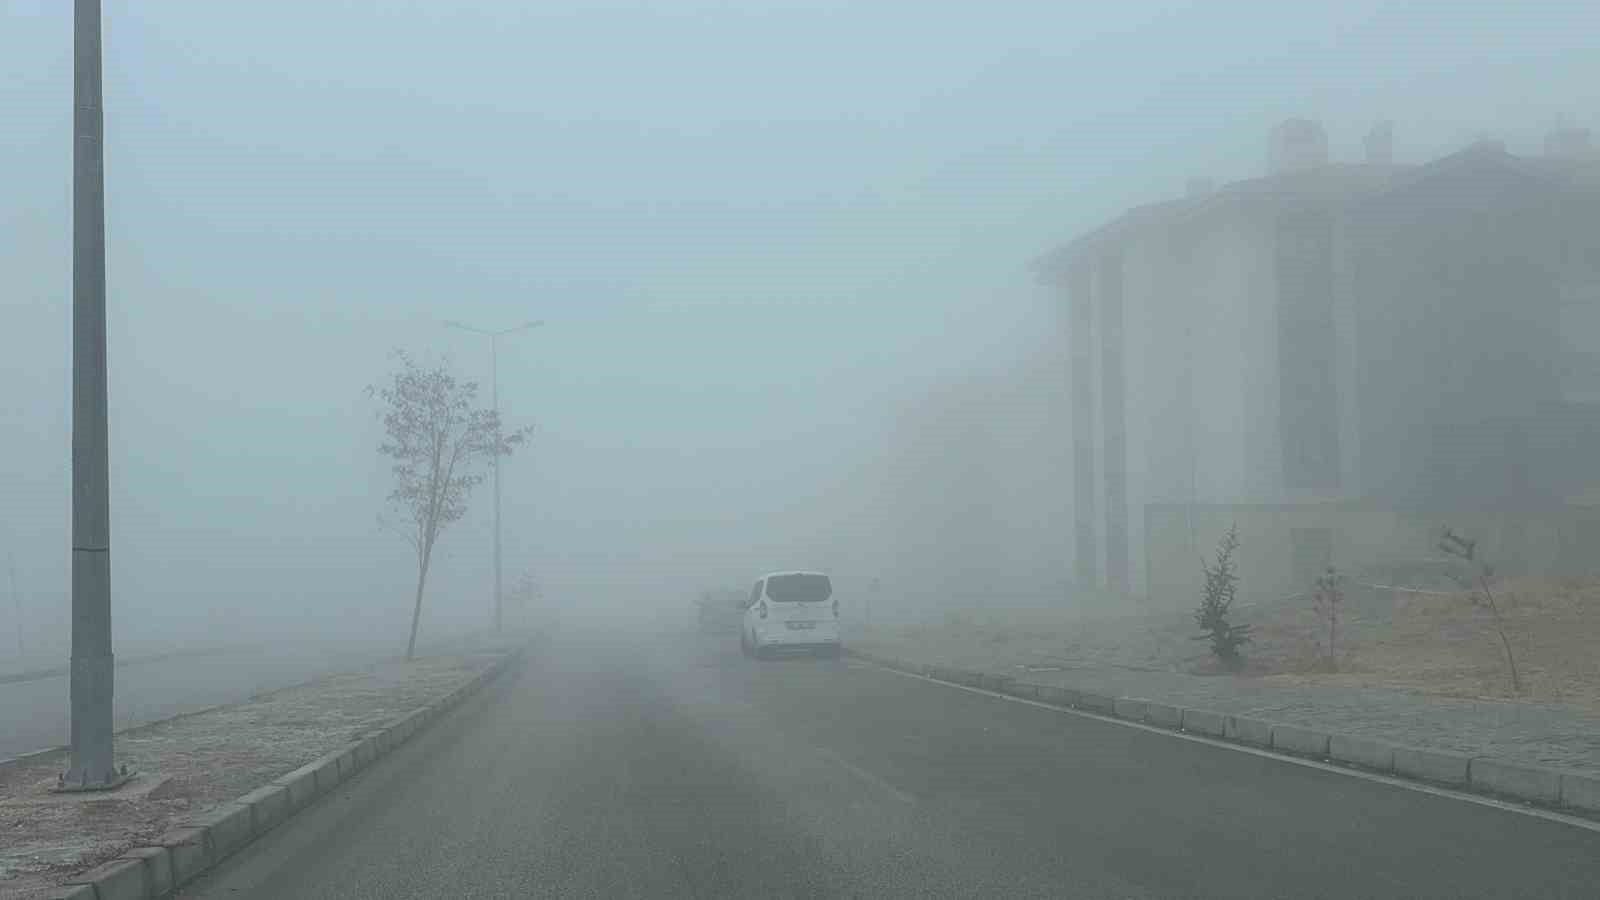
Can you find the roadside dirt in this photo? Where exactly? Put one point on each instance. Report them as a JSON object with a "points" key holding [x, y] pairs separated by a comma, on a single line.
{"points": [[207, 758], [1449, 645], [1442, 644], [1423, 669]]}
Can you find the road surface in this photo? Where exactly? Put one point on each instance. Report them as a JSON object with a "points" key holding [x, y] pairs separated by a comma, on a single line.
{"points": [[612, 767]]}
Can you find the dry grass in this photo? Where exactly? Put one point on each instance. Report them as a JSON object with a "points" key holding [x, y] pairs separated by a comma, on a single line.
{"points": [[1441, 644], [1445, 644]]}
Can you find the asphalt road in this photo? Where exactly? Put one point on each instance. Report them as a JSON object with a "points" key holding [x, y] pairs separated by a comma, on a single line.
{"points": [[613, 767]]}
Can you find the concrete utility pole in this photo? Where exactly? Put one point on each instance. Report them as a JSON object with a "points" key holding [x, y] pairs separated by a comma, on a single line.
{"points": [[93, 670], [494, 400]]}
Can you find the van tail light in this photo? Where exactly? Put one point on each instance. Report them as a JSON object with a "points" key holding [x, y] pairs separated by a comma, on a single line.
{"points": [[763, 609], [836, 609]]}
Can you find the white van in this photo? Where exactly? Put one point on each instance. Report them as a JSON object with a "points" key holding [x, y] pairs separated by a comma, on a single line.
{"points": [[791, 611]]}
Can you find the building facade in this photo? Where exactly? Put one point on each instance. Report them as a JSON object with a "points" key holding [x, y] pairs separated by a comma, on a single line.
{"points": [[1336, 358]]}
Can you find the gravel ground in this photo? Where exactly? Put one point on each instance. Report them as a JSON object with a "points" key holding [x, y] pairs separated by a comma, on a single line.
{"points": [[208, 758]]}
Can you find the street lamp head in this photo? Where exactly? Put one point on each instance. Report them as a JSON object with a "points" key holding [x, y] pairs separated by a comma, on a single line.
{"points": [[452, 323]]}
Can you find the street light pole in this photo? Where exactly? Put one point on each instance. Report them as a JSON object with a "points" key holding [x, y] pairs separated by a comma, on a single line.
{"points": [[93, 669], [494, 401]]}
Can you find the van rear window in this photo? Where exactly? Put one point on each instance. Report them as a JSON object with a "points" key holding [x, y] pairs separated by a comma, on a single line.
{"points": [[799, 588]]}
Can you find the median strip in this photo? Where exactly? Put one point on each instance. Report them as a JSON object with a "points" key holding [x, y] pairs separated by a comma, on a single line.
{"points": [[148, 845]]}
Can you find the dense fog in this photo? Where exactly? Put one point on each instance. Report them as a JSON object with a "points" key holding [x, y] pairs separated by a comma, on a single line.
{"points": [[783, 253]]}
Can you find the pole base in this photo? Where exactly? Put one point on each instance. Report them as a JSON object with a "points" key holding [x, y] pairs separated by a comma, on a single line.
{"points": [[117, 779]]}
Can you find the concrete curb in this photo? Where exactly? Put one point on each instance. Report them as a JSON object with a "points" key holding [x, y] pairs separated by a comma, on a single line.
{"points": [[1535, 785], [204, 841]]}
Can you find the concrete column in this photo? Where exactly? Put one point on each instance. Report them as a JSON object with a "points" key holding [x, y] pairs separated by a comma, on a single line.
{"points": [[1113, 405], [1080, 289]]}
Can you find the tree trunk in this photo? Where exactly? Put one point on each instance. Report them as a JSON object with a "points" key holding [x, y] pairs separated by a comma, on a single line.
{"points": [[1333, 623], [416, 609], [1500, 626]]}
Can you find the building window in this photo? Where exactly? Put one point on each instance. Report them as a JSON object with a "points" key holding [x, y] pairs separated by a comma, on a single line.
{"points": [[1308, 399]]}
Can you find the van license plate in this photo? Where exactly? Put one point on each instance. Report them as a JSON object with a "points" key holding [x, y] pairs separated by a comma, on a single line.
{"points": [[802, 626]]}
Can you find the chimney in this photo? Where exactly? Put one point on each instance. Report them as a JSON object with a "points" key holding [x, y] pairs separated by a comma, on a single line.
{"points": [[1568, 142], [1199, 186], [1296, 145], [1486, 142], [1379, 144]]}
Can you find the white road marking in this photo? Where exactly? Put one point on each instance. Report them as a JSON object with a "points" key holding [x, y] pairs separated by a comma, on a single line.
{"points": [[866, 776], [1404, 784]]}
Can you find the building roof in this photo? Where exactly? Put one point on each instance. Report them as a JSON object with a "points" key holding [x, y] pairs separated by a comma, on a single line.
{"points": [[1336, 179], [1348, 180], [1554, 174]]}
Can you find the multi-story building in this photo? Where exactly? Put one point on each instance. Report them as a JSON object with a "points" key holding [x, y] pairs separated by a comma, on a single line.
{"points": [[1338, 358]]}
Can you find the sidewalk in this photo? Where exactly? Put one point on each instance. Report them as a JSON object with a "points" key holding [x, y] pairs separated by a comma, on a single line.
{"points": [[202, 760], [1542, 734]]}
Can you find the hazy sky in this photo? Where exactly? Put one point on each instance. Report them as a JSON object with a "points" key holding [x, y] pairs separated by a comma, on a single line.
{"points": [[749, 226]]}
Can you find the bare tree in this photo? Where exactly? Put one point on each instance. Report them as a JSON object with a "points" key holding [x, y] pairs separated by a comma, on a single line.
{"points": [[438, 438], [1328, 602], [527, 594], [1467, 550]]}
